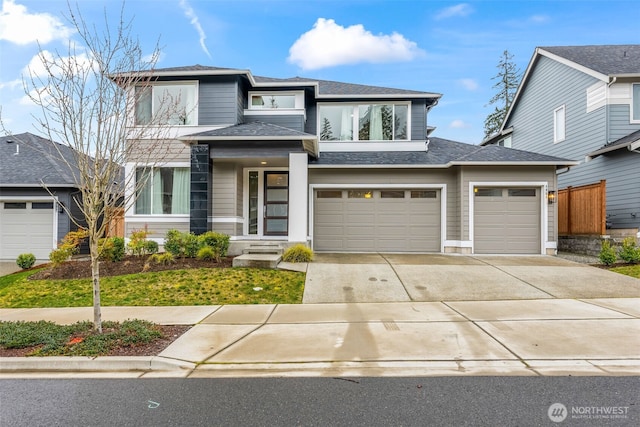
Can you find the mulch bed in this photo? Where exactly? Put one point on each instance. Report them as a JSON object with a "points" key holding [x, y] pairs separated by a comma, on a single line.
{"points": [[80, 269], [170, 333]]}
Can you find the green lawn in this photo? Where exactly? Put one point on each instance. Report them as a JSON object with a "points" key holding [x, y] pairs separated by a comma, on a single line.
{"points": [[176, 287], [629, 270]]}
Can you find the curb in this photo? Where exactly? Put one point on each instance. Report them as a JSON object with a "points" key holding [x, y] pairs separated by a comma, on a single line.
{"points": [[92, 364]]}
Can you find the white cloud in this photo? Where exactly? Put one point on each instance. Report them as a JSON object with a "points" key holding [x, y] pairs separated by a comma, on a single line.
{"points": [[328, 44], [462, 9], [459, 124], [469, 84], [195, 21], [19, 26], [539, 19]]}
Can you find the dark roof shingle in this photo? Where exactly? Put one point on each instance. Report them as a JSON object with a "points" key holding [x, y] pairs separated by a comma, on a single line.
{"points": [[605, 59], [255, 129]]}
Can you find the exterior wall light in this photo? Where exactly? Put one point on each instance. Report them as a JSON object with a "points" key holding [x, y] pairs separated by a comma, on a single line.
{"points": [[551, 196]]}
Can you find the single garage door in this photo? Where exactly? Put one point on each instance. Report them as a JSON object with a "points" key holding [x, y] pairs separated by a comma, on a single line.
{"points": [[377, 220], [507, 220], [26, 227]]}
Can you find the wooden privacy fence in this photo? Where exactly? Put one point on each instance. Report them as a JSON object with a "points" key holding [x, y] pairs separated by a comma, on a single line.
{"points": [[582, 210], [115, 228]]}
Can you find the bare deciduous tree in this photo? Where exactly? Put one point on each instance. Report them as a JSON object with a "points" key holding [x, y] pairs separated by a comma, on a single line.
{"points": [[87, 100]]}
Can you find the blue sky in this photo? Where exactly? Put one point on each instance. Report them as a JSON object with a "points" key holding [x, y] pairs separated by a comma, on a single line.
{"points": [[447, 47]]}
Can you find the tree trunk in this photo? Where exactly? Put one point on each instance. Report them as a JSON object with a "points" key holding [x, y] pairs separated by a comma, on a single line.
{"points": [[95, 279]]}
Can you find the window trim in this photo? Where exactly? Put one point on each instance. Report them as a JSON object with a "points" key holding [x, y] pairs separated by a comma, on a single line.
{"points": [[632, 112], [561, 109], [356, 120], [298, 103], [194, 83], [149, 169]]}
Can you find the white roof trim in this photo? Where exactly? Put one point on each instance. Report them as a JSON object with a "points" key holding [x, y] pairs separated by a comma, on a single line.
{"points": [[443, 166]]}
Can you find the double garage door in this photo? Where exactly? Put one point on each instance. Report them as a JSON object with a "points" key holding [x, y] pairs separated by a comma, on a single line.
{"points": [[507, 220], [377, 220], [26, 227]]}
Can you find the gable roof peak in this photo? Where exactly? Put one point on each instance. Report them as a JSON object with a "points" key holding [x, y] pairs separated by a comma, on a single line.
{"points": [[609, 60]]}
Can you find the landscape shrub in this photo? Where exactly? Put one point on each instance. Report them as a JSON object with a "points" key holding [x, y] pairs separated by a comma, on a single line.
{"points": [[164, 258], [187, 245], [111, 249], [298, 253], [139, 245], [608, 254], [207, 253], [629, 252], [25, 261], [69, 246]]}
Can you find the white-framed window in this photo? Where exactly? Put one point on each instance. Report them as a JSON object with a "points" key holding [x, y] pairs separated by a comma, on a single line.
{"points": [[559, 124], [276, 100], [505, 142], [166, 191], [635, 103], [172, 103], [364, 122]]}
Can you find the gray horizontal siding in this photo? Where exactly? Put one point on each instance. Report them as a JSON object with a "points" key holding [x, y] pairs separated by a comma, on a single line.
{"points": [[418, 121], [551, 85], [218, 103], [224, 192], [621, 170], [293, 121], [620, 122]]}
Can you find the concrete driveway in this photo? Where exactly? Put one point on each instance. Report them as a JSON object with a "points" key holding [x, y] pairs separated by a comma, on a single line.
{"points": [[337, 278]]}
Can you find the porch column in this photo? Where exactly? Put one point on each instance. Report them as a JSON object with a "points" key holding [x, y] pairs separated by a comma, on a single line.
{"points": [[199, 197], [298, 194]]}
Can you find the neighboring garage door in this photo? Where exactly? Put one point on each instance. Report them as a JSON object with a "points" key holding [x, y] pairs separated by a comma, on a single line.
{"points": [[506, 220], [377, 220], [26, 227]]}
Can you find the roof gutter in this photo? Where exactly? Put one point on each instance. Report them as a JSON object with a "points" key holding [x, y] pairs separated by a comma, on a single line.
{"points": [[631, 146]]}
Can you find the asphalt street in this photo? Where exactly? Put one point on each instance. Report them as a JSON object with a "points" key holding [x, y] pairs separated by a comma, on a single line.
{"points": [[435, 401]]}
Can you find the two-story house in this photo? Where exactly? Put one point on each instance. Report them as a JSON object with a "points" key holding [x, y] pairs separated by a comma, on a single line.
{"points": [[583, 103], [339, 166]]}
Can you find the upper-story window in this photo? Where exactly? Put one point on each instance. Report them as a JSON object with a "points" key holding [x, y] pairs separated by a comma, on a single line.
{"points": [[364, 122], [167, 103], [559, 124], [276, 100], [635, 103]]}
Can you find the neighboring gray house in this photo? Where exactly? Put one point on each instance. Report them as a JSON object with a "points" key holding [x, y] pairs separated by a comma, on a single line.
{"points": [[342, 167], [31, 221], [583, 103]]}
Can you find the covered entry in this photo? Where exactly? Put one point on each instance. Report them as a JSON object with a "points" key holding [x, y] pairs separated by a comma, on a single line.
{"points": [[377, 220], [507, 220]]}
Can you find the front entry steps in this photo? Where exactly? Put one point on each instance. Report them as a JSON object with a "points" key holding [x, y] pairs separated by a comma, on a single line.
{"points": [[262, 255]]}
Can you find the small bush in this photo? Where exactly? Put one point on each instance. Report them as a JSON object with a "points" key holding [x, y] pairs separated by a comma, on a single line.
{"points": [[298, 253], [139, 245], [164, 258], [25, 261], [218, 241], [60, 255], [207, 253], [111, 249], [629, 252], [607, 253]]}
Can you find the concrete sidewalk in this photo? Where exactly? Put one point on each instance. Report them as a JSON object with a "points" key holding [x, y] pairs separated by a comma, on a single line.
{"points": [[524, 337]]}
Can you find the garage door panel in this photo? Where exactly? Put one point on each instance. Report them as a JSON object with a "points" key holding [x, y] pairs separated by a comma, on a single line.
{"points": [[26, 230], [394, 224], [507, 224]]}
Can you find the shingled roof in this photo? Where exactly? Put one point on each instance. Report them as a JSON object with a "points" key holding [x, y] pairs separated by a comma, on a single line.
{"points": [[440, 153], [610, 60], [252, 130], [28, 160]]}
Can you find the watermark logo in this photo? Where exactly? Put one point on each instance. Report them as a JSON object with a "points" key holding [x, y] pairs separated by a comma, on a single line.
{"points": [[557, 412]]}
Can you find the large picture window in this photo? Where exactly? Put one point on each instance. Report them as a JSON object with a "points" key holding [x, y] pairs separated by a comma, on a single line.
{"points": [[165, 191], [173, 104], [372, 122]]}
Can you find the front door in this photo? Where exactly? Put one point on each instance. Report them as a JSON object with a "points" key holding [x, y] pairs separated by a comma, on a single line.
{"points": [[276, 203]]}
